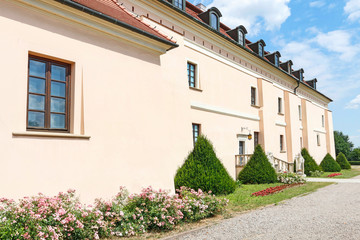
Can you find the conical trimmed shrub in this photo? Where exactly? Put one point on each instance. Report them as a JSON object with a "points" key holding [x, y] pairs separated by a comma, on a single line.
{"points": [[329, 164], [342, 161], [202, 169], [309, 164], [258, 169]]}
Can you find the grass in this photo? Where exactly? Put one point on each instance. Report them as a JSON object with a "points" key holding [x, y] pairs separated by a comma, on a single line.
{"points": [[353, 172], [241, 200]]}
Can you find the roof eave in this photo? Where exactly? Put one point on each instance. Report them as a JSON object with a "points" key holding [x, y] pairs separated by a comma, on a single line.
{"points": [[115, 21]]}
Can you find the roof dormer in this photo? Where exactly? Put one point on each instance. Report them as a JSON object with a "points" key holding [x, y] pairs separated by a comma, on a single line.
{"points": [[299, 74], [258, 47], [179, 4], [212, 18], [274, 58], [312, 83], [287, 66], [238, 34]]}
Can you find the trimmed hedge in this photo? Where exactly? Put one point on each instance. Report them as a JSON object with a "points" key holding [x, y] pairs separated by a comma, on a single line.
{"points": [[310, 165], [329, 164], [342, 161], [258, 169], [354, 162], [203, 170]]}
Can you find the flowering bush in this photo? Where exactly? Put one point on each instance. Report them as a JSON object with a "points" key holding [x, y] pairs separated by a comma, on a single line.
{"points": [[334, 174], [290, 178], [64, 217], [316, 173], [272, 190]]}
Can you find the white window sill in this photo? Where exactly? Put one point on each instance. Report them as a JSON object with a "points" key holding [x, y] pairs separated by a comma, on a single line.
{"points": [[50, 135], [196, 89]]}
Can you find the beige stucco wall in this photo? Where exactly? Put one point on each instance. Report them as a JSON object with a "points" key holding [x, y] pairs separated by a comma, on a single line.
{"points": [[128, 112], [314, 115], [137, 109]]}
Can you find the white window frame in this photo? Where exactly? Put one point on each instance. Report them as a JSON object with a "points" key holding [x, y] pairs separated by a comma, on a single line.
{"points": [[322, 120], [300, 112], [318, 139]]}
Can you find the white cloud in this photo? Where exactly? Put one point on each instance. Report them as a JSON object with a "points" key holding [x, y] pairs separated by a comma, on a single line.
{"points": [[255, 15], [317, 4], [322, 57], [352, 8], [354, 104], [331, 41]]}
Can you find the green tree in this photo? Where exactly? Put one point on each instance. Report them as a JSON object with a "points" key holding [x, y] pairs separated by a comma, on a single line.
{"points": [[342, 161], [354, 155], [203, 170], [329, 164], [342, 144], [310, 165], [258, 169]]}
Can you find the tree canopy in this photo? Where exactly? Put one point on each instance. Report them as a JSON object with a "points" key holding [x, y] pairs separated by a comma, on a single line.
{"points": [[342, 144]]}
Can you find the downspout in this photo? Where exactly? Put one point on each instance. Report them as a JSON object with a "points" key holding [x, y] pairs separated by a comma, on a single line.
{"points": [[297, 86]]}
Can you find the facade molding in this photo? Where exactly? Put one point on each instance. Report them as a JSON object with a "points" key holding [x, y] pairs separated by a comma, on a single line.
{"points": [[223, 111], [320, 131], [62, 12], [281, 124]]}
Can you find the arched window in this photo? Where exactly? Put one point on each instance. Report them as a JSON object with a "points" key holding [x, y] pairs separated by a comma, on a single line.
{"points": [[214, 21], [241, 38], [261, 50]]}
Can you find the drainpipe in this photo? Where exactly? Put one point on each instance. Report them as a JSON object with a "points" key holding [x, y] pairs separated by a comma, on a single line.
{"points": [[297, 87]]}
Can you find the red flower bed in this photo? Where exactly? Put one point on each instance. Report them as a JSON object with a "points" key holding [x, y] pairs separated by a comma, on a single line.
{"points": [[272, 190], [334, 174]]}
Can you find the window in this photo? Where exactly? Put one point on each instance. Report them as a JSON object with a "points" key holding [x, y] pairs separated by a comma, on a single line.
{"points": [[281, 143], [301, 76], [191, 70], [300, 113], [318, 139], [261, 50], [322, 121], [256, 139], [276, 60], [241, 38], [280, 105], [301, 143], [179, 4], [214, 21], [48, 95], [253, 96], [196, 132]]}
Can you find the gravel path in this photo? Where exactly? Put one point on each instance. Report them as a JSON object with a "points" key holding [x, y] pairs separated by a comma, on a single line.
{"points": [[332, 212]]}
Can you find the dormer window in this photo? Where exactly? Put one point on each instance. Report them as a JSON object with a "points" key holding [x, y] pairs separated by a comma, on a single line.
{"points": [[211, 17], [241, 38], [299, 74], [238, 34], [276, 60], [287, 66], [261, 50], [214, 21], [179, 4], [257, 47]]}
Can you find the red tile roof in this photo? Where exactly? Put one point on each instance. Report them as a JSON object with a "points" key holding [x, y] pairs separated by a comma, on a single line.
{"points": [[112, 9]]}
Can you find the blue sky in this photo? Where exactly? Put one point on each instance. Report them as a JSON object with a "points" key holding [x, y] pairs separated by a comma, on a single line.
{"points": [[321, 36]]}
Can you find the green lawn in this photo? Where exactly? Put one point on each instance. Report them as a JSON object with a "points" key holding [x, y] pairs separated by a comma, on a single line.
{"points": [[355, 171], [241, 199]]}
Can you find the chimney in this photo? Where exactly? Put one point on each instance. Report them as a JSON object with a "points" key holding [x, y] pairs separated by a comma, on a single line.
{"points": [[201, 6]]}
